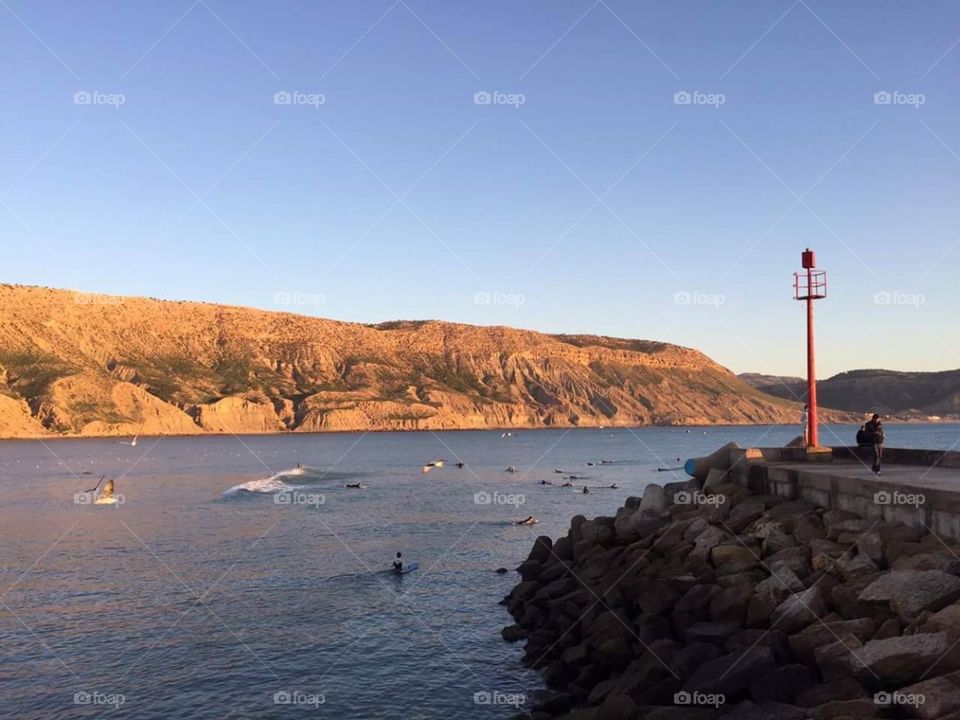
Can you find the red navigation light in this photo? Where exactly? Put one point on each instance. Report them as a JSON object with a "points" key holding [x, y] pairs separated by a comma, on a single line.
{"points": [[808, 259]]}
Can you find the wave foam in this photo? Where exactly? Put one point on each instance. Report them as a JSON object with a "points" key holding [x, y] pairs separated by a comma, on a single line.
{"points": [[270, 485]]}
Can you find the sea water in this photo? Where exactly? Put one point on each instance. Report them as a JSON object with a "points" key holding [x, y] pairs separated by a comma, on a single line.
{"points": [[226, 581]]}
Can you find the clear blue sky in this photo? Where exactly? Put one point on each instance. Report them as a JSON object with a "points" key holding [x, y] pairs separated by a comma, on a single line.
{"points": [[587, 208]]}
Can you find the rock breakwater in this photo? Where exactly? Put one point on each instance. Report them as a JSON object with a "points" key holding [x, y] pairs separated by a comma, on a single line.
{"points": [[698, 602]]}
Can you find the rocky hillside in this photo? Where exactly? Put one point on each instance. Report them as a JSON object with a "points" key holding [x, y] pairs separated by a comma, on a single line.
{"points": [[102, 365], [904, 394]]}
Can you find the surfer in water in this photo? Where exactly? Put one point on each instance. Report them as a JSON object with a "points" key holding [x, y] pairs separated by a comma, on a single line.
{"points": [[586, 490], [398, 564], [528, 520]]}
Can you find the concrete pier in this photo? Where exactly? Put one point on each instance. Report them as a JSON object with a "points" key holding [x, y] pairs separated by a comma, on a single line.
{"points": [[917, 487]]}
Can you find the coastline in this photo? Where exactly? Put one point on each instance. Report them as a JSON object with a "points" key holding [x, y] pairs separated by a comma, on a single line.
{"points": [[512, 428]]}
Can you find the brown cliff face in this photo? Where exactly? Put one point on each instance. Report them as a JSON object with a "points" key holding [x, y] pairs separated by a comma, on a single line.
{"points": [[95, 365]]}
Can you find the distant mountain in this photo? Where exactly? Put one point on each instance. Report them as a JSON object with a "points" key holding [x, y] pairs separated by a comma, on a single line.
{"points": [[889, 392], [103, 365]]}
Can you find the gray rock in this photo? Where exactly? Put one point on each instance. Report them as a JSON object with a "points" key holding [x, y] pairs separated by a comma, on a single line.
{"points": [[730, 605], [902, 659], [710, 632], [855, 567], [596, 533], [839, 658], [910, 592], [731, 673], [784, 684], [941, 696], [723, 554], [743, 515], [777, 540], [654, 499], [765, 711], [844, 689], [617, 707], [858, 708], [928, 561], [805, 643], [798, 610]]}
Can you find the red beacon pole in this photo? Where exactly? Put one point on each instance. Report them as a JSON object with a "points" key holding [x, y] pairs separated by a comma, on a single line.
{"points": [[810, 285]]}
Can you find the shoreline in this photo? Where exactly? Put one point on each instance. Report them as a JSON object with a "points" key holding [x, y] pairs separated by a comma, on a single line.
{"points": [[526, 428], [532, 428]]}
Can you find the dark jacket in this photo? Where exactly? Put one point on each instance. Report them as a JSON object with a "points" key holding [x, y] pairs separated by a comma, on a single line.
{"points": [[874, 430]]}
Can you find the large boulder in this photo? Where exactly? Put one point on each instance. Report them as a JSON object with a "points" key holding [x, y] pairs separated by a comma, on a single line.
{"points": [[784, 684], [910, 592], [798, 610], [804, 644], [596, 533], [902, 659], [838, 658], [730, 604], [934, 698], [654, 499], [732, 673]]}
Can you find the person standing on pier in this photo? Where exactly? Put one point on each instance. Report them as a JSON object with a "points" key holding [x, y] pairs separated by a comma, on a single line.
{"points": [[805, 425], [874, 430]]}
